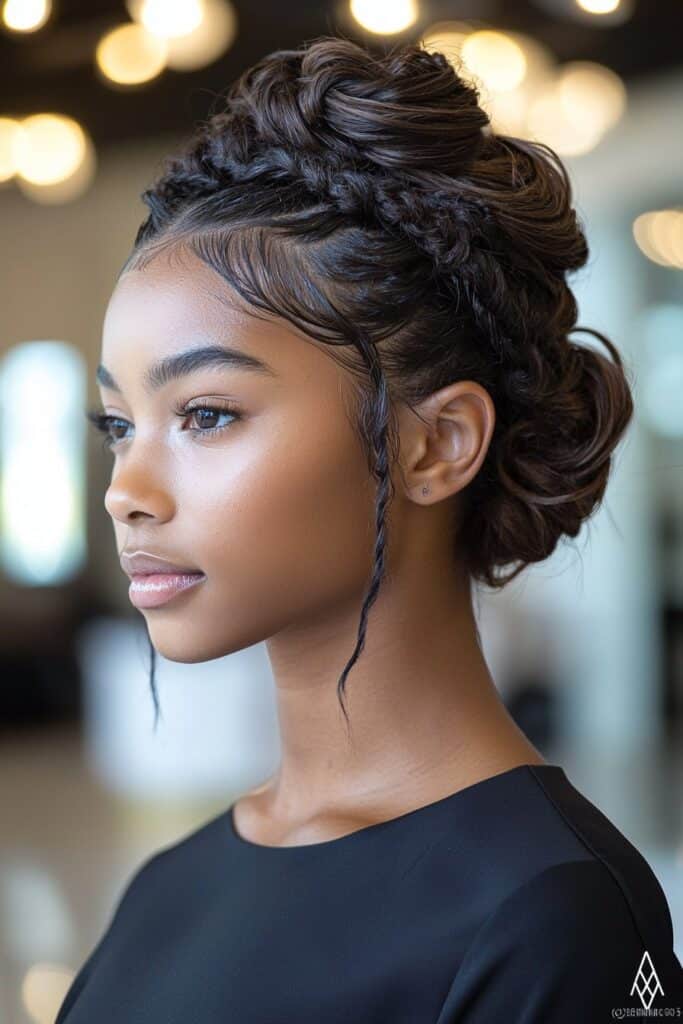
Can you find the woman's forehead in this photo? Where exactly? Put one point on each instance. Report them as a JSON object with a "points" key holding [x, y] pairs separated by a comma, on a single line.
{"points": [[164, 313]]}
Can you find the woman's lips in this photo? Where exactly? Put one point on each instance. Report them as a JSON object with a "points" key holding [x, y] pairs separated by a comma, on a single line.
{"points": [[153, 589]]}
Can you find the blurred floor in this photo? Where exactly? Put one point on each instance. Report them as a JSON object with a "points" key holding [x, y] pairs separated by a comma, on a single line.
{"points": [[68, 846]]}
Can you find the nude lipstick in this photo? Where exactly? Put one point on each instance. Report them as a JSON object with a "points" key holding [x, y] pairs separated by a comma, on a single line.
{"points": [[154, 589], [154, 580]]}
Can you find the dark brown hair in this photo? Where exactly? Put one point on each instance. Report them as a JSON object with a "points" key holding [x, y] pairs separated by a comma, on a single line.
{"points": [[366, 199]]}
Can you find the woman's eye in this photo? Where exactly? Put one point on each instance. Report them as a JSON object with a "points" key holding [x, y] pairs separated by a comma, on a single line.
{"points": [[105, 424], [208, 418]]}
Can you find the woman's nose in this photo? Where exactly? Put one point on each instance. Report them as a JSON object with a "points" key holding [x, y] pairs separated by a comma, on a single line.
{"points": [[132, 492]]}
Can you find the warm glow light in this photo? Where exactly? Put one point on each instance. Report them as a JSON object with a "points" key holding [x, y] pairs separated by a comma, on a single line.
{"points": [[130, 55], [674, 241], [213, 29], [168, 19], [384, 16], [67, 189], [598, 6], [508, 110], [206, 43], [642, 232], [495, 59], [591, 92], [48, 148], [26, 15], [670, 237], [659, 236], [548, 122], [590, 13], [659, 232], [43, 989], [573, 113], [9, 129]]}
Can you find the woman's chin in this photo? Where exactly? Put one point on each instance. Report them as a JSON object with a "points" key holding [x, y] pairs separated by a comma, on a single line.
{"points": [[177, 645], [186, 645]]}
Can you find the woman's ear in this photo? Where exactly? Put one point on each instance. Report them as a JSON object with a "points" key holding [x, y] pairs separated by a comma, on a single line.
{"points": [[444, 440]]}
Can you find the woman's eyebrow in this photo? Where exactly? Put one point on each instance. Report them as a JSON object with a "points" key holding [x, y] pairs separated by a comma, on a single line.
{"points": [[182, 363]]}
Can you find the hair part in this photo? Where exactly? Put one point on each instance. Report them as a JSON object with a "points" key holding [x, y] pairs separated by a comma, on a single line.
{"points": [[366, 200]]}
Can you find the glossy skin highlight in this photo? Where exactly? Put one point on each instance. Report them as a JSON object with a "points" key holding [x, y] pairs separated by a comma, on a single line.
{"points": [[277, 509]]}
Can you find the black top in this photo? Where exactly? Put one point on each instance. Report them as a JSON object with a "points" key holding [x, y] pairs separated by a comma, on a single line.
{"points": [[512, 901]]}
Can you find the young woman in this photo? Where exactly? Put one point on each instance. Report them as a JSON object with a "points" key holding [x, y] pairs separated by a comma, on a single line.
{"points": [[339, 389]]}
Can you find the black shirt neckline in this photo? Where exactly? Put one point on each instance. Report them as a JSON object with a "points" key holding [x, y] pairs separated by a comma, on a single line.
{"points": [[407, 818]]}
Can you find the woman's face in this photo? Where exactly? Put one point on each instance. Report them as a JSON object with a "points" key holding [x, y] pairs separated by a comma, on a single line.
{"points": [[271, 500]]}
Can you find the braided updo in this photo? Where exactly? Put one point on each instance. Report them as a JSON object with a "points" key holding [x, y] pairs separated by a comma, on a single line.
{"points": [[366, 199]]}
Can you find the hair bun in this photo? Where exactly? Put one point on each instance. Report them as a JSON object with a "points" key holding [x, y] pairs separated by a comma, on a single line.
{"points": [[407, 111]]}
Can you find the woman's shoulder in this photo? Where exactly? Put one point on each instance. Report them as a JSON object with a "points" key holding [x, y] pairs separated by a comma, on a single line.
{"points": [[581, 833], [565, 946], [543, 822], [577, 908], [575, 924]]}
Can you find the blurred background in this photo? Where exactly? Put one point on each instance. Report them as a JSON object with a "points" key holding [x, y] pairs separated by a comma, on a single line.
{"points": [[587, 649]]}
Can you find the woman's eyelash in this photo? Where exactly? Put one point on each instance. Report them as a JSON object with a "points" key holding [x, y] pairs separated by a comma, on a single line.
{"points": [[104, 422], [101, 421]]}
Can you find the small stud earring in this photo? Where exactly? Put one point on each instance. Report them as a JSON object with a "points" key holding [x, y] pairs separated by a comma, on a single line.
{"points": [[425, 489]]}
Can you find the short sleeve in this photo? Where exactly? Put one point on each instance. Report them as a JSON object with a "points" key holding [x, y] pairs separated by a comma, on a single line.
{"points": [[564, 947], [84, 972]]}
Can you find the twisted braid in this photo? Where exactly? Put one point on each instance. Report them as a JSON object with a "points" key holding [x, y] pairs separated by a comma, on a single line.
{"points": [[375, 420]]}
